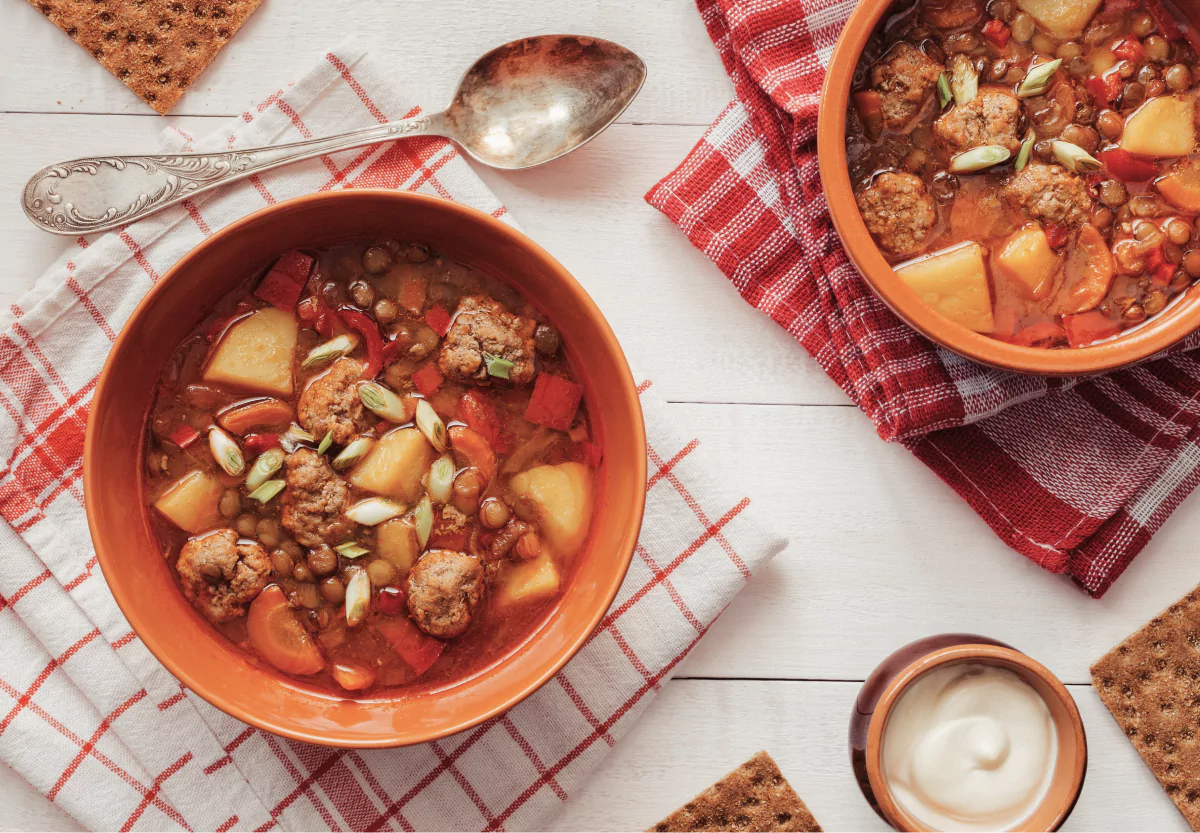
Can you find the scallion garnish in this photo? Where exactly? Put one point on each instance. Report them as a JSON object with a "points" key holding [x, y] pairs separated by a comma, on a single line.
{"points": [[226, 452], [976, 159], [431, 425], [423, 520], [945, 95], [1074, 158], [497, 366], [382, 402], [358, 597], [1038, 80], [374, 511], [352, 453], [269, 462], [964, 80], [1025, 153], [326, 441], [351, 549], [268, 490], [441, 479], [335, 348]]}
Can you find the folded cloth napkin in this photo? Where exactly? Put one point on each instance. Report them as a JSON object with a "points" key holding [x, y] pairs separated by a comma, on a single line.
{"points": [[90, 718], [1078, 481]]}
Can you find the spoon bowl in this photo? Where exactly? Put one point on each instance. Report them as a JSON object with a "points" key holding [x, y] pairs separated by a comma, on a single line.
{"points": [[533, 100], [522, 104]]}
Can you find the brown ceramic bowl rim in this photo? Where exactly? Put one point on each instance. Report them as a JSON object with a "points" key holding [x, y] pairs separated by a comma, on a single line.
{"points": [[138, 615], [1175, 323], [1022, 664]]}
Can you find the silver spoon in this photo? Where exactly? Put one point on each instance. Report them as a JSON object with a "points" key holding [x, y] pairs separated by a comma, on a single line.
{"points": [[522, 104]]}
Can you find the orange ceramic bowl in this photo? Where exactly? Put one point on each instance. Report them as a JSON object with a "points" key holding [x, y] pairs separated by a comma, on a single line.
{"points": [[133, 563], [1160, 332]]}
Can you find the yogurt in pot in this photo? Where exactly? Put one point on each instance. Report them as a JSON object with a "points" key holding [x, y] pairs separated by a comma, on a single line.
{"points": [[970, 746]]}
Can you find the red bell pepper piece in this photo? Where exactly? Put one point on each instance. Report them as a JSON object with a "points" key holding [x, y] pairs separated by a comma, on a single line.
{"points": [[366, 327], [428, 379], [1056, 235], [1105, 88], [283, 284], [1123, 165], [316, 313], [438, 319], [1163, 19], [478, 412], [1154, 259], [1130, 49], [258, 443], [592, 454], [1088, 327], [869, 105], [414, 646], [553, 402], [392, 601], [997, 32], [1164, 274], [1042, 334], [183, 435]]}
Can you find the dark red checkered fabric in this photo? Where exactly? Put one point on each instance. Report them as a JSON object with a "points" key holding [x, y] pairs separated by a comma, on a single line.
{"points": [[1078, 481], [93, 721]]}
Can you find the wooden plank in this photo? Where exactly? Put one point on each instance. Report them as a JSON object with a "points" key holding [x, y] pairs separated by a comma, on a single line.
{"points": [[696, 731], [429, 45], [678, 318]]}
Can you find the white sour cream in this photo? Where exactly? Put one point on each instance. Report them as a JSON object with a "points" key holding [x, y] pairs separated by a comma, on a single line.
{"points": [[970, 747]]}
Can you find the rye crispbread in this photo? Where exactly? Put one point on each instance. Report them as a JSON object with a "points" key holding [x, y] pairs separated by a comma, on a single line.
{"points": [[755, 796], [155, 47], [1151, 684]]}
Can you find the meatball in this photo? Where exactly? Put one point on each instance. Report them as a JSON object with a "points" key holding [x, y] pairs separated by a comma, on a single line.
{"points": [[992, 118], [331, 403], [905, 78], [899, 212], [1050, 193], [444, 589], [482, 325], [315, 499], [221, 575]]}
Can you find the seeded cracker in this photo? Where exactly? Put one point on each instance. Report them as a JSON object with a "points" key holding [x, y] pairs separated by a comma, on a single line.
{"points": [[1151, 684], [755, 796], [156, 47]]}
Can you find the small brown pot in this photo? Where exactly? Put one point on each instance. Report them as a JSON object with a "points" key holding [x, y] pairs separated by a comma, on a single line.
{"points": [[887, 682]]}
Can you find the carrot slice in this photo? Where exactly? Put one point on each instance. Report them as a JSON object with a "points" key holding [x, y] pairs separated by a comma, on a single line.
{"points": [[241, 417], [553, 402], [471, 449], [352, 676], [1089, 273], [1089, 327], [278, 636], [414, 646]]}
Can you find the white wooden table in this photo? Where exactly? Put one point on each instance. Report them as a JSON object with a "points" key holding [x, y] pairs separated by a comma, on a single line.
{"points": [[882, 552]]}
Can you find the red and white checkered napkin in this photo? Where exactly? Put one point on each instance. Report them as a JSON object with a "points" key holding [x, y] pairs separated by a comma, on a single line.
{"points": [[1078, 481], [91, 719]]}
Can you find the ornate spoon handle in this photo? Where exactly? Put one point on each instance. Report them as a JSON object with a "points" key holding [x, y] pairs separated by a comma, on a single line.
{"points": [[84, 196]]}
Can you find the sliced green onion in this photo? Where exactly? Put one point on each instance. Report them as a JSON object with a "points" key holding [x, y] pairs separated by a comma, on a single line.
{"points": [[976, 159], [441, 479], [1025, 153], [293, 437], [226, 452], [382, 402], [335, 348], [943, 88], [497, 366], [269, 462], [374, 511], [431, 425], [268, 490], [423, 520], [1074, 158], [352, 453], [358, 597], [1038, 79], [350, 549], [964, 80], [326, 441]]}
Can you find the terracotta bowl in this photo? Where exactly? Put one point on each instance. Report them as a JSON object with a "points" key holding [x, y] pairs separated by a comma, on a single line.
{"points": [[893, 676], [1160, 332], [132, 561]]}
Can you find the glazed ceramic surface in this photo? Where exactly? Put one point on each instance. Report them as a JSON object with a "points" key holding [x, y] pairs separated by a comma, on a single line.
{"points": [[1157, 334], [132, 561]]}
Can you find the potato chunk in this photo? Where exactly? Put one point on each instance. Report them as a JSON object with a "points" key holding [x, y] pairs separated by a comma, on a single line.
{"points": [[1065, 19], [954, 282], [1163, 126], [191, 502], [1182, 187], [1028, 262], [396, 542], [256, 353], [394, 465], [529, 581], [563, 494]]}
